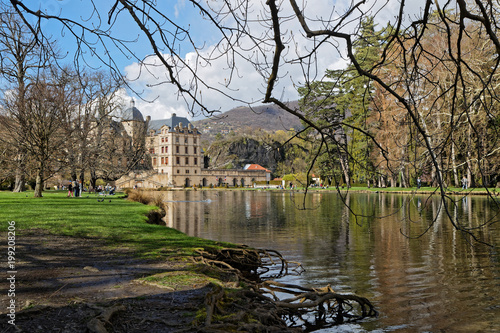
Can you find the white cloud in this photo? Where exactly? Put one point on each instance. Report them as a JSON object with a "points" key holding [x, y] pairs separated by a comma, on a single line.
{"points": [[178, 7], [246, 83]]}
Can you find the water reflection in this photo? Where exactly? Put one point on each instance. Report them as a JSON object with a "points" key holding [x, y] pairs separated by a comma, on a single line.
{"points": [[420, 281]]}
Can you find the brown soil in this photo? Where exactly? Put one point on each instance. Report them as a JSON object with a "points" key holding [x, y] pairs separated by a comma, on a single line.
{"points": [[63, 284]]}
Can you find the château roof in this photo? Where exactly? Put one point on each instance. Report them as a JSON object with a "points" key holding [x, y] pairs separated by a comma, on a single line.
{"points": [[171, 122]]}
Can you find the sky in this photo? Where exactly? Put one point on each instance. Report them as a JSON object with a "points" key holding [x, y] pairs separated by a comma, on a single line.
{"points": [[147, 85]]}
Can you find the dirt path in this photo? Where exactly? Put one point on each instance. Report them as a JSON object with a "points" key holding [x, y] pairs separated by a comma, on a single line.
{"points": [[64, 283]]}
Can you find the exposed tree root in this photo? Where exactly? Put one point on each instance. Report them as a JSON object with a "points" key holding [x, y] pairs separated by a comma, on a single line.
{"points": [[98, 324], [257, 307]]}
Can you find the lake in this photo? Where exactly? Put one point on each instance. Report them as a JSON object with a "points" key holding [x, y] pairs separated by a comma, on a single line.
{"points": [[399, 251]]}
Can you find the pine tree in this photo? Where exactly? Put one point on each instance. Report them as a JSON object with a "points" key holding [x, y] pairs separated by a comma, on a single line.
{"points": [[356, 99]]}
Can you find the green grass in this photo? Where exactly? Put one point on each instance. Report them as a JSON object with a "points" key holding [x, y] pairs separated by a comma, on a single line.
{"points": [[117, 221]]}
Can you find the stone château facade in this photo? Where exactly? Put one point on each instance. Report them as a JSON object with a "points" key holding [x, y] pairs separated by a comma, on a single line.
{"points": [[173, 146]]}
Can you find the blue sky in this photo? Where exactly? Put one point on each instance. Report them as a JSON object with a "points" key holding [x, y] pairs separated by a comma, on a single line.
{"points": [[159, 99], [123, 27]]}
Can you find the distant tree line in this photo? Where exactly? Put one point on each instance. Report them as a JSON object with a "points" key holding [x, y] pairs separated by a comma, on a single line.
{"points": [[438, 122], [55, 119]]}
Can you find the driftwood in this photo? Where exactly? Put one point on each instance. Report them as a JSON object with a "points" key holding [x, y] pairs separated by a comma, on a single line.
{"points": [[258, 308], [98, 323]]}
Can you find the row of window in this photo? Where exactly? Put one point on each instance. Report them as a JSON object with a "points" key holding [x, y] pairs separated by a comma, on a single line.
{"points": [[164, 150], [179, 171], [164, 161], [165, 139]]}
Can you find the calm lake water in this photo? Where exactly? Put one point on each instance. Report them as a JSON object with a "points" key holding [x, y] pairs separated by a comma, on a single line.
{"points": [[438, 282]]}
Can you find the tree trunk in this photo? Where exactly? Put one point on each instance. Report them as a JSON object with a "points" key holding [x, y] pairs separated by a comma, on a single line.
{"points": [[456, 182], [93, 180], [39, 182], [469, 160], [19, 185], [393, 180], [345, 169], [403, 179]]}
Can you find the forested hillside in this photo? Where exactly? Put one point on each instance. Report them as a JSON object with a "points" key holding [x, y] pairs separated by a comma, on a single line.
{"points": [[268, 118]]}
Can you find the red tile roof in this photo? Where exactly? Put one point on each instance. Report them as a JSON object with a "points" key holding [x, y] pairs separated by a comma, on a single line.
{"points": [[256, 167]]}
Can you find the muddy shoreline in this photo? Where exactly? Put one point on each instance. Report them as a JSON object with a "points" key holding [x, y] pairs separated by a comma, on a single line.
{"points": [[63, 283]]}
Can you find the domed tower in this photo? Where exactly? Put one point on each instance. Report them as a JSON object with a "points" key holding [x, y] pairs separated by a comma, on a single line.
{"points": [[133, 122], [134, 145]]}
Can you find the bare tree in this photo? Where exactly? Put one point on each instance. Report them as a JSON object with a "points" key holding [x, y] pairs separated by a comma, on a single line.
{"points": [[44, 127], [96, 101], [260, 34], [20, 59]]}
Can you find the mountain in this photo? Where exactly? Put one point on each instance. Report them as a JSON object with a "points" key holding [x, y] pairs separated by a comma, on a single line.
{"points": [[264, 117], [238, 152]]}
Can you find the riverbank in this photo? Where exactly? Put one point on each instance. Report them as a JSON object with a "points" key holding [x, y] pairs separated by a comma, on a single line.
{"points": [[74, 260], [357, 189]]}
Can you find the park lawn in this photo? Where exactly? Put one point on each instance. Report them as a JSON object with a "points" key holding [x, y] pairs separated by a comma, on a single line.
{"points": [[115, 220]]}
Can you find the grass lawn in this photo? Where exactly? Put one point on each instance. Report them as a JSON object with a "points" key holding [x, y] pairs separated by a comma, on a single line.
{"points": [[118, 221]]}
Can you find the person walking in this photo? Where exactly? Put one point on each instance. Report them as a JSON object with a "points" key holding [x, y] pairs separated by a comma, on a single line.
{"points": [[464, 183], [76, 189]]}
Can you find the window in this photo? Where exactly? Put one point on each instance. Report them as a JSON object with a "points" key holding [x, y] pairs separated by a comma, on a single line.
{"points": [[186, 140], [177, 139], [187, 171], [162, 150], [177, 149], [166, 150], [151, 150], [185, 150], [162, 140], [195, 150], [178, 160], [194, 141], [187, 161], [196, 161], [166, 139], [178, 171], [195, 171], [154, 160], [166, 160], [162, 161]]}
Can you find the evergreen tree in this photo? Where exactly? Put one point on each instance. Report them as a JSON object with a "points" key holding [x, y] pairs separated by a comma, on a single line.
{"points": [[340, 107], [322, 103], [357, 100]]}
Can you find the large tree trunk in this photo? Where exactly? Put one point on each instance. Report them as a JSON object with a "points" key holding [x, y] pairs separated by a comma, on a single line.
{"points": [[394, 183], [19, 185], [345, 169], [39, 182], [93, 180]]}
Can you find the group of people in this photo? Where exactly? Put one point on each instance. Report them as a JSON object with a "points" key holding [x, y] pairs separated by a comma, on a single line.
{"points": [[75, 189], [465, 183]]}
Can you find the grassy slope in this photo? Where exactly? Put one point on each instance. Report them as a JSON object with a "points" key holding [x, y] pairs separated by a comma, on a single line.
{"points": [[117, 221]]}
